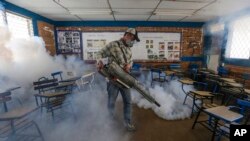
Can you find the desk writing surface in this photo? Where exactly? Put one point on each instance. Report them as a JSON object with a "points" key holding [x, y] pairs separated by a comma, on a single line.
{"points": [[205, 72], [223, 112], [9, 89], [17, 113], [247, 91], [187, 81], [234, 84], [169, 72], [202, 93], [177, 70], [53, 94], [228, 80]]}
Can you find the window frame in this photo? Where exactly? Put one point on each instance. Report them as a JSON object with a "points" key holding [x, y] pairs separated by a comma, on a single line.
{"points": [[231, 35], [29, 21]]}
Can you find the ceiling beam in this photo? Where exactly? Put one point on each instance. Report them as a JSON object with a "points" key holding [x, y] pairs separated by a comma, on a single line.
{"points": [[199, 9], [154, 10], [112, 12], [58, 3]]}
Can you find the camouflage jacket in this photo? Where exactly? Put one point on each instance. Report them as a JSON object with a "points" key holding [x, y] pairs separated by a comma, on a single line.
{"points": [[114, 51]]}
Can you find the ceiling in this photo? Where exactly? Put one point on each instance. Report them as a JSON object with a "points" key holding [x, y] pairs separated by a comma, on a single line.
{"points": [[133, 10]]}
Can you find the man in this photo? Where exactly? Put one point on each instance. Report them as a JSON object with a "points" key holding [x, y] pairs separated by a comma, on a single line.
{"points": [[119, 51]]}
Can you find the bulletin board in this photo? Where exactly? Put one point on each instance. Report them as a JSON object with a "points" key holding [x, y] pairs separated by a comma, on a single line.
{"points": [[69, 42], [153, 45]]}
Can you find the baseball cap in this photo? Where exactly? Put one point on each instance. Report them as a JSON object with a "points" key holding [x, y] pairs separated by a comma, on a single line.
{"points": [[134, 32]]}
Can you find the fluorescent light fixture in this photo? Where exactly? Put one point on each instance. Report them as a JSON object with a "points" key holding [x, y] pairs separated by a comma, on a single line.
{"points": [[173, 12], [90, 12]]}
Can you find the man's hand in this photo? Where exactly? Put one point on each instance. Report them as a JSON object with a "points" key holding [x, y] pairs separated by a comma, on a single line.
{"points": [[127, 67], [99, 65]]}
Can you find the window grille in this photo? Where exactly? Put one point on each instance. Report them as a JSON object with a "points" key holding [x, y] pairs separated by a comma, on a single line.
{"points": [[238, 44], [20, 26]]}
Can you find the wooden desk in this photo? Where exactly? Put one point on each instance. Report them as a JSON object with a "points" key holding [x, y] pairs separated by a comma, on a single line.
{"points": [[17, 113], [222, 113], [200, 95], [186, 81], [17, 121], [52, 94], [177, 71], [234, 84], [204, 72], [247, 91], [169, 72], [230, 80]]}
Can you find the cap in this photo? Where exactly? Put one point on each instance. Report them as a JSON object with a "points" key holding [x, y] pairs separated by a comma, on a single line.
{"points": [[134, 32]]}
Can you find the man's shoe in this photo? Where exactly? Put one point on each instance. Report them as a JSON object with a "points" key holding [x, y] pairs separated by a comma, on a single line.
{"points": [[130, 127]]}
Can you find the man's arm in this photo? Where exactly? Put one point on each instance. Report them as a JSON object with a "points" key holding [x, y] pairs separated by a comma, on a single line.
{"points": [[103, 53]]}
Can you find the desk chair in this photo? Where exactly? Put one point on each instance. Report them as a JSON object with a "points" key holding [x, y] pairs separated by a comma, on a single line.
{"points": [[57, 74], [86, 79], [245, 77], [51, 95], [14, 122], [243, 107], [157, 75], [135, 70], [200, 94], [222, 71], [17, 125], [199, 86], [4, 98], [176, 68]]}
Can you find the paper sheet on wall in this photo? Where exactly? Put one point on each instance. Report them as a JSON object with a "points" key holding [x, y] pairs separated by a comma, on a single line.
{"points": [[152, 45]]}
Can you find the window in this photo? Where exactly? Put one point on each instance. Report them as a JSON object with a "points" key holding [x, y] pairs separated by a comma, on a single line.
{"points": [[21, 27], [238, 44]]}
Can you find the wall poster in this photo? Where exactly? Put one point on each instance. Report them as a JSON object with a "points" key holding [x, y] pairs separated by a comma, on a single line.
{"points": [[69, 43], [153, 45]]}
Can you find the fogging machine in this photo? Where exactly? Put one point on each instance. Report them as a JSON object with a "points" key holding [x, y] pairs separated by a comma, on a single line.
{"points": [[115, 73]]}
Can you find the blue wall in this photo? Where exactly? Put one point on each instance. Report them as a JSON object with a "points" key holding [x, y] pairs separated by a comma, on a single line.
{"points": [[130, 23], [35, 17]]}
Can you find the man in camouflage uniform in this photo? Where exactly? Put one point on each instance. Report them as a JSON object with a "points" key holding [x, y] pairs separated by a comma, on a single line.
{"points": [[120, 52]]}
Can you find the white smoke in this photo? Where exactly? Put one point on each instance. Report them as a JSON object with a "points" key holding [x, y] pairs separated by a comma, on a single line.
{"points": [[26, 60], [170, 97], [23, 61]]}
